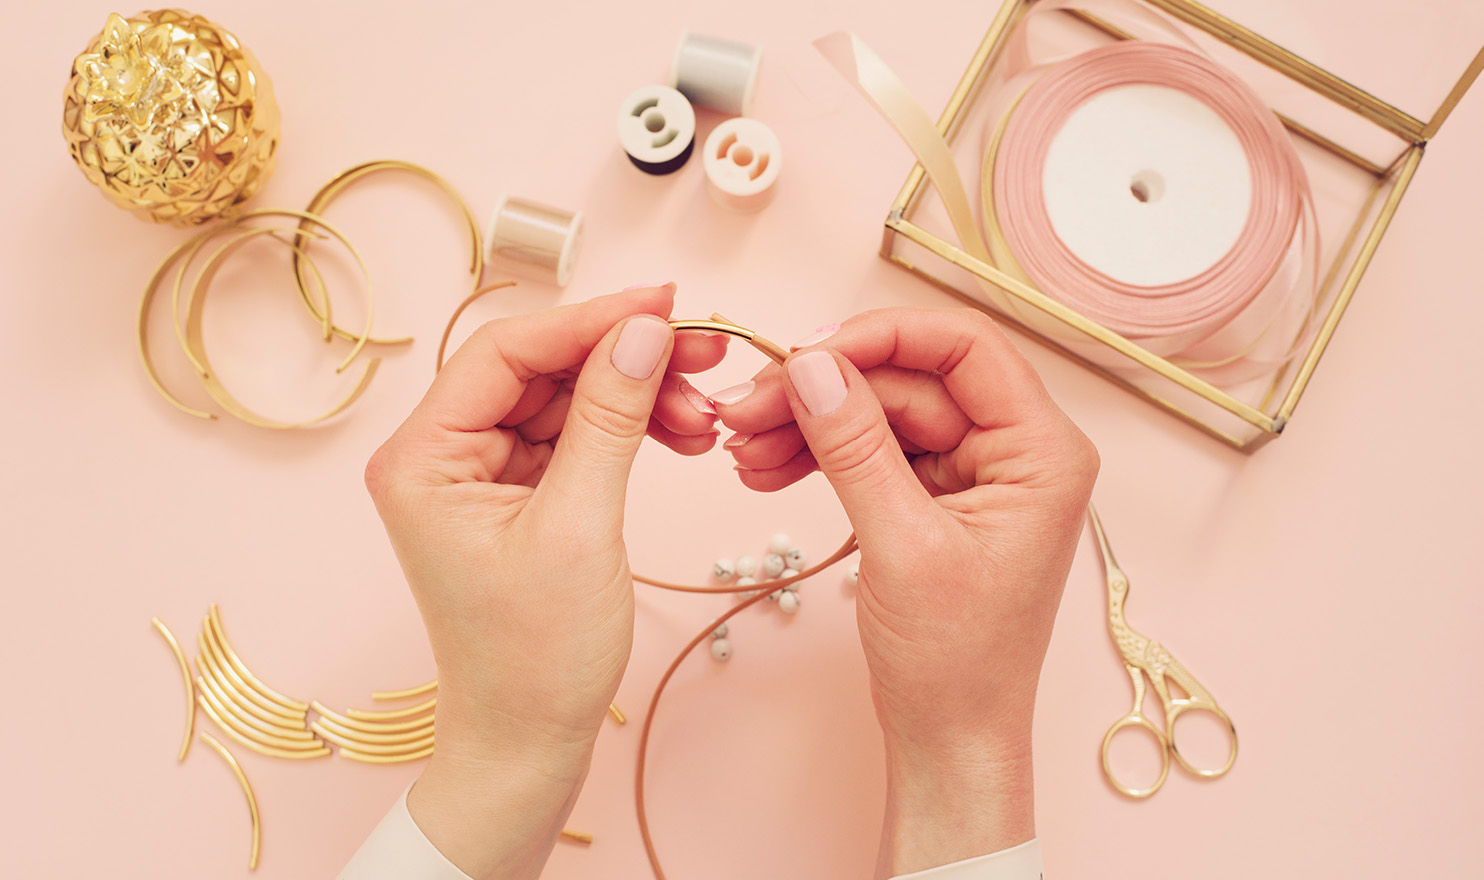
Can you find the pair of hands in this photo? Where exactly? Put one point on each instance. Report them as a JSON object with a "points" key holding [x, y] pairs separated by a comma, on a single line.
{"points": [[503, 495]]}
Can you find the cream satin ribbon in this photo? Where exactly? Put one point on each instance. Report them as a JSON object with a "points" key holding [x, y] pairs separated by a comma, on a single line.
{"points": [[1239, 319]]}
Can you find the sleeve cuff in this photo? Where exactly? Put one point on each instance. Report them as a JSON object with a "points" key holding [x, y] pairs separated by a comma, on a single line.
{"points": [[398, 850], [1021, 862]]}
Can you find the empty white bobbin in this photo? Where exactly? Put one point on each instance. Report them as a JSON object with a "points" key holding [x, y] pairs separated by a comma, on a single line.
{"points": [[657, 128], [715, 73], [742, 160], [536, 240]]}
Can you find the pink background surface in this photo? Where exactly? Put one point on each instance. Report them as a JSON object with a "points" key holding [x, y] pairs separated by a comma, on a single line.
{"points": [[1323, 589]]}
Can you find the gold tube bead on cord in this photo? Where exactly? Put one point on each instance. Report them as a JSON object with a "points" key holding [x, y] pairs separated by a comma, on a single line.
{"points": [[252, 800], [185, 677]]}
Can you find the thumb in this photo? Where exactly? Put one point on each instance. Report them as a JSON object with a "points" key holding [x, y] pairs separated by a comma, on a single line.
{"points": [[846, 429], [607, 418]]}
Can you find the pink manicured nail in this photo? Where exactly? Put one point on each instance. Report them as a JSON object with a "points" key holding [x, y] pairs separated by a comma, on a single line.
{"points": [[817, 336], [696, 398], [817, 378], [646, 284], [733, 395], [737, 441], [639, 346]]}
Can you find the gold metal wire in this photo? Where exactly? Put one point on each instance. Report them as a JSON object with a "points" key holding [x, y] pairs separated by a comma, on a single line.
{"points": [[252, 800], [330, 191], [185, 677]]}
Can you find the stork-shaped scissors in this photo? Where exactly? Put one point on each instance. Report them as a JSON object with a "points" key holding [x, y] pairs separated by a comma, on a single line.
{"points": [[1143, 656]]}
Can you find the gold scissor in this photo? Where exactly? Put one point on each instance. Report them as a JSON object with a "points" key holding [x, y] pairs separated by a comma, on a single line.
{"points": [[1141, 657]]}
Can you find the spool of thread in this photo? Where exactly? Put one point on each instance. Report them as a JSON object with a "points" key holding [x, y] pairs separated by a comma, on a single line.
{"points": [[535, 240], [657, 129], [742, 159], [715, 73]]}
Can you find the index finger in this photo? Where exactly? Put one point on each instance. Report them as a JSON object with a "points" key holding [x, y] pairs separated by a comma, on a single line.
{"points": [[486, 377], [989, 378]]}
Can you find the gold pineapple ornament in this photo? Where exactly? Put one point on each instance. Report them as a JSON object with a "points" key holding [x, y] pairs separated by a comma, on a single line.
{"points": [[171, 117]]}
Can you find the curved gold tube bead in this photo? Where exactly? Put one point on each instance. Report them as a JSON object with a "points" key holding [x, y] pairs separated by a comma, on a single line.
{"points": [[344, 179], [270, 751], [257, 705], [454, 318], [185, 675], [369, 738], [392, 714], [719, 324], [371, 726], [214, 615], [252, 800], [403, 694], [237, 707], [617, 713], [230, 724], [581, 837], [371, 748], [365, 758]]}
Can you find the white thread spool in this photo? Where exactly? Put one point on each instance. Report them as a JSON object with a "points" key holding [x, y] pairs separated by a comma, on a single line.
{"points": [[742, 158], [657, 129], [536, 240], [716, 73]]}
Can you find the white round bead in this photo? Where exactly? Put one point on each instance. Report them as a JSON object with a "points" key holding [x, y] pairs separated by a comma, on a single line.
{"points": [[773, 596], [787, 573], [795, 559], [723, 570], [855, 574], [746, 566], [773, 565], [720, 632], [788, 602], [746, 582], [780, 544], [721, 649]]}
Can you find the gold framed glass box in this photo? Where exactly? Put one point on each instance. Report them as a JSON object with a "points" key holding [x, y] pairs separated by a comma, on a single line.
{"points": [[1359, 151]]}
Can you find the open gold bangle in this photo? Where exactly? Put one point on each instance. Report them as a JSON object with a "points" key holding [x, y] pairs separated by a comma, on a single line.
{"points": [[371, 748], [185, 675], [293, 754], [236, 707], [257, 705], [371, 726], [252, 800], [365, 758], [214, 616], [369, 738], [344, 179]]}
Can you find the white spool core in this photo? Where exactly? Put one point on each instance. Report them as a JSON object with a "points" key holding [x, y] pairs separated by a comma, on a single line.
{"points": [[535, 240], [656, 126], [742, 158], [716, 73], [1147, 185]]}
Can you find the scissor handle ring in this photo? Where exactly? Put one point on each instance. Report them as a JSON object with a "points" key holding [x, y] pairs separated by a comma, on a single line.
{"points": [[1136, 720], [1180, 707]]}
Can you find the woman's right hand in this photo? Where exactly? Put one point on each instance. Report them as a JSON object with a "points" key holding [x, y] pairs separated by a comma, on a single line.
{"points": [[967, 488]]}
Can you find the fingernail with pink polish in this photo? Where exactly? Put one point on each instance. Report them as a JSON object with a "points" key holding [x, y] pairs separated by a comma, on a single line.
{"points": [[644, 284], [640, 345], [733, 395], [818, 336], [696, 398], [817, 378], [737, 441]]}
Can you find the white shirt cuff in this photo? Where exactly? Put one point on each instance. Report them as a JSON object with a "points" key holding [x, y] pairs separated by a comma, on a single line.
{"points": [[1021, 862], [398, 850]]}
